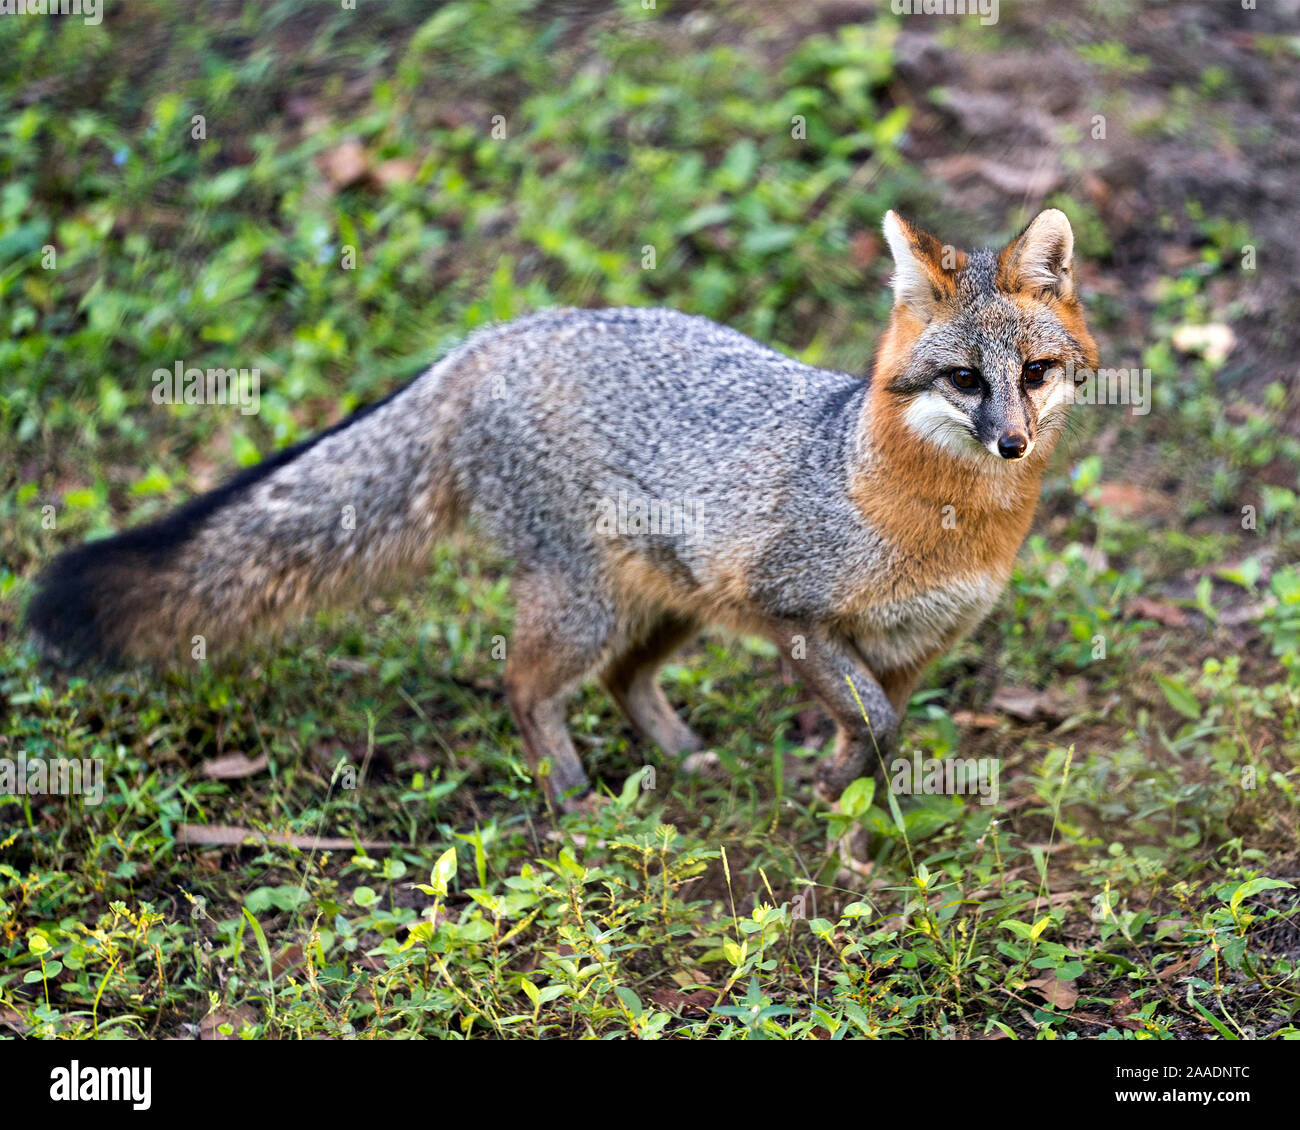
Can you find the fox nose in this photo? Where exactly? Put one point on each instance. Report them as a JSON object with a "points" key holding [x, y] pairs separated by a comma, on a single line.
{"points": [[1013, 445]]}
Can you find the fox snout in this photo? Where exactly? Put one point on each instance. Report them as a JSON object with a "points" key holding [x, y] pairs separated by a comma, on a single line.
{"points": [[1009, 435], [1004, 419], [1013, 444]]}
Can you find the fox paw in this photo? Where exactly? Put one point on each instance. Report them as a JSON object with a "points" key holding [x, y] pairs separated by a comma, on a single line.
{"points": [[826, 793], [705, 763], [830, 781], [854, 851], [589, 803]]}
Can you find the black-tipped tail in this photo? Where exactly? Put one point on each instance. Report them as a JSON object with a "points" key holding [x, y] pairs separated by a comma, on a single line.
{"points": [[246, 554]]}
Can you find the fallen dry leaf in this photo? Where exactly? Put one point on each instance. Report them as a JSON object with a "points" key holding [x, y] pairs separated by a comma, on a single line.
{"points": [[356, 666], [1057, 993], [976, 721], [1176, 257], [1213, 341], [344, 165], [694, 1004], [233, 766], [1242, 614], [396, 170], [1034, 177], [1119, 1013], [235, 1017], [291, 957], [225, 835], [1022, 179], [1029, 705], [1170, 615], [1240, 413], [1129, 500], [1175, 968]]}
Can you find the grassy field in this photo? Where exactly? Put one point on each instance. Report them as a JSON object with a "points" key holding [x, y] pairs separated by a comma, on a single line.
{"points": [[336, 198]]}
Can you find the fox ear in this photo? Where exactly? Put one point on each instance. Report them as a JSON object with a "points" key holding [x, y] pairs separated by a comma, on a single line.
{"points": [[923, 267], [1041, 257]]}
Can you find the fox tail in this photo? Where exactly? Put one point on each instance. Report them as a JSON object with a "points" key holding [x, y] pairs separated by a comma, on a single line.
{"points": [[347, 508]]}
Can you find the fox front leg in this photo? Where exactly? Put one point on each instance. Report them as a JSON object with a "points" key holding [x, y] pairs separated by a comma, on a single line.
{"points": [[867, 724]]}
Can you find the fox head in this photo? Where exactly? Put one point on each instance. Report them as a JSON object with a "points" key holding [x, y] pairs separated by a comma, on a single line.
{"points": [[975, 355]]}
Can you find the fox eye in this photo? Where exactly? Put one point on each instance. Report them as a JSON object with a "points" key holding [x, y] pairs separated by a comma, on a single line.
{"points": [[1035, 372], [968, 380]]}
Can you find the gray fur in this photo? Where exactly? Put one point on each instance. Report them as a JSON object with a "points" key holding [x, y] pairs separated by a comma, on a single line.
{"points": [[662, 406]]}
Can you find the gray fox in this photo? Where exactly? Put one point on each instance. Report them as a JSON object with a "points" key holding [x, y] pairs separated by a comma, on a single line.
{"points": [[649, 473]]}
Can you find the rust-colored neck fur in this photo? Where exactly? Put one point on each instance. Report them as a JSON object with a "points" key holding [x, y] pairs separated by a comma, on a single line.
{"points": [[946, 516]]}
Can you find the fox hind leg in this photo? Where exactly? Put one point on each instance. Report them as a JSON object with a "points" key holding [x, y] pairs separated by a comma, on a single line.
{"points": [[630, 679], [560, 636]]}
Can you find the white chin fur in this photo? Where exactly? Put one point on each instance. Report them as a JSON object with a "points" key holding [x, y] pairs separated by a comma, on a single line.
{"points": [[933, 418]]}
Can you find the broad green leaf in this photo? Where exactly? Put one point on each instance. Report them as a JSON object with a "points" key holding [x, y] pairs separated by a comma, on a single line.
{"points": [[1253, 887], [530, 990], [857, 798], [630, 1000], [1180, 698], [443, 872]]}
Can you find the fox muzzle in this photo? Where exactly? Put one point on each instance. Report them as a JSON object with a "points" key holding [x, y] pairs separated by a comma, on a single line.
{"points": [[1013, 444]]}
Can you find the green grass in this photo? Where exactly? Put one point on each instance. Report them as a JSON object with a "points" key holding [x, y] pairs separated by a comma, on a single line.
{"points": [[1125, 885]]}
